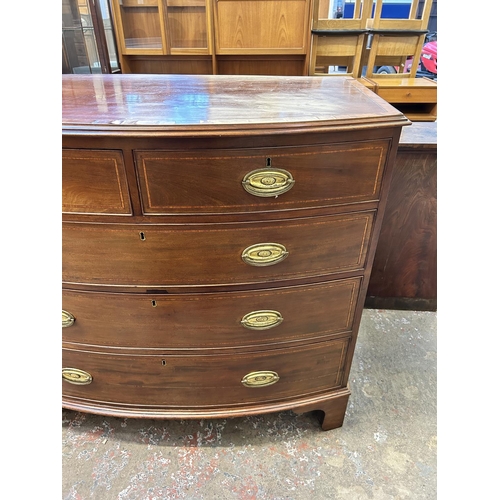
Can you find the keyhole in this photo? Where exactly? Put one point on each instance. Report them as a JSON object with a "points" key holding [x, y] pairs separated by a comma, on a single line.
{"points": [[142, 236], [153, 303], [268, 162], [163, 362]]}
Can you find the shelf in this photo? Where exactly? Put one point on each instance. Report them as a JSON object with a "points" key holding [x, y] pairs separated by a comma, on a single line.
{"points": [[139, 3], [186, 3], [143, 43]]}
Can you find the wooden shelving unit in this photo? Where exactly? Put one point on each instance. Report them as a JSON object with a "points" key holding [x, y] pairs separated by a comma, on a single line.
{"points": [[214, 36]]}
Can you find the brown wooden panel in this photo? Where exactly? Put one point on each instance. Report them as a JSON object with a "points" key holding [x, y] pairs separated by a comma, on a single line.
{"points": [[194, 381], [283, 65], [405, 264], [199, 254], [194, 65], [187, 25], [94, 182], [252, 25], [209, 320], [208, 181]]}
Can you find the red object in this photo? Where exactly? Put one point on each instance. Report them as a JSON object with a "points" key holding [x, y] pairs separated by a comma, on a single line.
{"points": [[428, 60], [428, 57]]}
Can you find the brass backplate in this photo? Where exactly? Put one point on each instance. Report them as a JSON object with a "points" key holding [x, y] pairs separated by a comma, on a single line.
{"points": [[76, 376], [266, 183], [262, 320], [260, 379], [67, 319], [264, 254]]}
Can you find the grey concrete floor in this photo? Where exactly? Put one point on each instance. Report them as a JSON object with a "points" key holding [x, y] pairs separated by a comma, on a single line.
{"points": [[386, 449]]}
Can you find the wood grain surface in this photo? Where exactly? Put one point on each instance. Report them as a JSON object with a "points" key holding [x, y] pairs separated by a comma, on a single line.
{"points": [[405, 265]]}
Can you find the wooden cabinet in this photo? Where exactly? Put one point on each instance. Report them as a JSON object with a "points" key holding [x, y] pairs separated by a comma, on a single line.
{"points": [[160, 27], [404, 274], [213, 36], [216, 258]]}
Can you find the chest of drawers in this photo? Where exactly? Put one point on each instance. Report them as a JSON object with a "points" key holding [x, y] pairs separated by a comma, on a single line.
{"points": [[218, 236]]}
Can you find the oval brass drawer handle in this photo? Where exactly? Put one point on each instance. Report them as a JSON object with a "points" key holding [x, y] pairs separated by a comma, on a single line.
{"points": [[266, 183], [264, 254], [76, 376], [67, 319], [262, 320], [260, 379]]}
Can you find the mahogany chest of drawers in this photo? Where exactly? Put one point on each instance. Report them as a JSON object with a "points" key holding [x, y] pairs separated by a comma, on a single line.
{"points": [[218, 237]]}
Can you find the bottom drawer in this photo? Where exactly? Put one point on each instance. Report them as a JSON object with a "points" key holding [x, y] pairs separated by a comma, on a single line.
{"points": [[193, 381]]}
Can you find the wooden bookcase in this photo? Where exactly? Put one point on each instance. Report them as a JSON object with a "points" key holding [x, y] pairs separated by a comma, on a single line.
{"points": [[213, 36]]}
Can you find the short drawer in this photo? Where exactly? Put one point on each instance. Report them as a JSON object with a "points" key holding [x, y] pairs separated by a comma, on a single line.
{"points": [[214, 254], [209, 320], [408, 94], [94, 182], [205, 380], [253, 180]]}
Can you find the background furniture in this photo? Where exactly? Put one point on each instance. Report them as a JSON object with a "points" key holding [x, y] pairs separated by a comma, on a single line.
{"points": [[213, 36], [376, 50], [390, 44], [393, 41], [415, 97], [218, 237], [338, 41], [404, 274], [88, 42]]}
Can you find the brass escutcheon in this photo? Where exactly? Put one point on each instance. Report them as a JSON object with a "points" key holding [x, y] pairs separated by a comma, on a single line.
{"points": [[262, 320], [264, 254], [260, 379], [67, 319], [267, 183], [76, 376]]}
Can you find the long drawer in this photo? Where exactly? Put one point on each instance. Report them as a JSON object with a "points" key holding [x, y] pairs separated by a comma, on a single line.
{"points": [[258, 252], [209, 320], [204, 380], [256, 180]]}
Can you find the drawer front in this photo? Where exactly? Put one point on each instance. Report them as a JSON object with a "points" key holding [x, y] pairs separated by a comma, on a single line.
{"points": [[408, 94], [94, 182], [210, 320], [161, 255], [259, 180], [194, 381]]}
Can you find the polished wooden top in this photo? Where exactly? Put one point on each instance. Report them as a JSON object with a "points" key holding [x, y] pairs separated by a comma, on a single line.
{"points": [[218, 105]]}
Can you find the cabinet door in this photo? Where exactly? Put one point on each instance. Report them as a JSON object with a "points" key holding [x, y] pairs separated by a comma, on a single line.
{"points": [[140, 26], [258, 27], [188, 27]]}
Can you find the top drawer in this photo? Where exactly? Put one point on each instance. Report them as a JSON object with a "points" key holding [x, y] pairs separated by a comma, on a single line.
{"points": [[256, 180], [94, 182]]}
